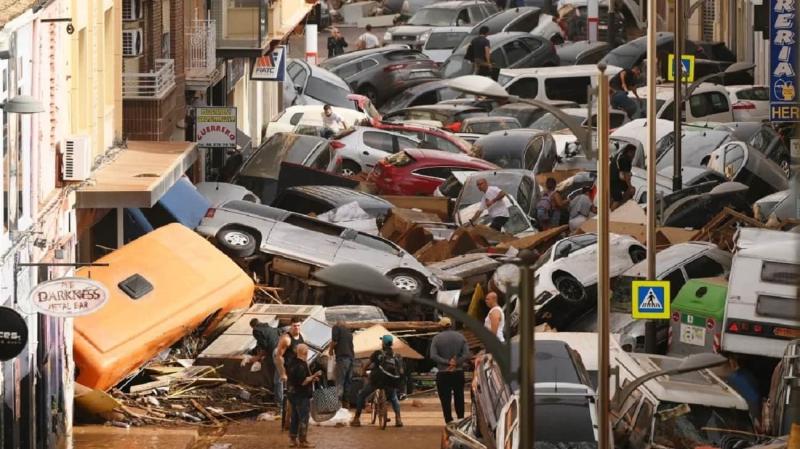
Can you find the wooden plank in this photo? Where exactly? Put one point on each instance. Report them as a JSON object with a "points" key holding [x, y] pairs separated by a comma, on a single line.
{"points": [[205, 412]]}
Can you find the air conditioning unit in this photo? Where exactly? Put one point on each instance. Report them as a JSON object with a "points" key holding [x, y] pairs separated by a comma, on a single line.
{"points": [[131, 10], [132, 42], [76, 164]]}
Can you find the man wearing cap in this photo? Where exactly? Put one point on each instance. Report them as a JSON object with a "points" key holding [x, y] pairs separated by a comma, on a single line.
{"points": [[449, 350], [386, 371]]}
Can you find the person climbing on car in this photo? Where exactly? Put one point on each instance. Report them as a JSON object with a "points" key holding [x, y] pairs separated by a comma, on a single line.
{"points": [[331, 122], [267, 338], [621, 84], [549, 206], [494, 200], [386, 372]]}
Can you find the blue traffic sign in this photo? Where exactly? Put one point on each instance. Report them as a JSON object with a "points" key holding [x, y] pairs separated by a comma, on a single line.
{"points": [[784, 105], [650, 299], [687, 67]]}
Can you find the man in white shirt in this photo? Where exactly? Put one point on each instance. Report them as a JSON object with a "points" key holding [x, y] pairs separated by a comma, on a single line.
{"points": [[368, 40], [495, 201], [331, 122]]}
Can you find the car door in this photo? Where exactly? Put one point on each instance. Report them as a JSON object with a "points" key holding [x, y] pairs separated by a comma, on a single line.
{"points": [[711, 106], [517, 53], [532, 154], [302, 238], [375, 145], [532, 45]]}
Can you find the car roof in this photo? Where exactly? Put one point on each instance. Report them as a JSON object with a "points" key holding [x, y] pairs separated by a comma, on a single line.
{"points": [[512, 12], [490, 118], [340, 196], [495, 39], [428, 86], [426, 154], [573, 49], [436, 30], [742, 130], [738, 87], [671, 257], [559, 71], [557, 103], [355, 55], [324, 74], [666, 91], [768, 244], [637, 129], [554, 363]]}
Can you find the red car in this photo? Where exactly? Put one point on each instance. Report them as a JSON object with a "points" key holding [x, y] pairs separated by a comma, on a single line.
{"points": [[420, 172], [429, 136]]}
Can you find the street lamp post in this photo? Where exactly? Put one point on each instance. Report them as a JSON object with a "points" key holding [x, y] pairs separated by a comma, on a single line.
{"points": [[652, 68], [677, 181]]}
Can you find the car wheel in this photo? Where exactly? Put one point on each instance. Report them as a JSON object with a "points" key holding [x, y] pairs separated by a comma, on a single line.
{"points": [[638, 254], [236, 242], [569, 288], [408, 281], [349, 168]]}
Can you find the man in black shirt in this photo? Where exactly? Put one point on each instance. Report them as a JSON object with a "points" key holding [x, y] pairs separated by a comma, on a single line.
{"points": [[623, 82], [481, 53], [386, 373], [620, 173], [342, 348], [300, 387], [266, 341]]}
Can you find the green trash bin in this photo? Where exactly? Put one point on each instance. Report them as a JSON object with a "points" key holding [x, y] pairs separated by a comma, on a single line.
{"points": [[697, 314]]}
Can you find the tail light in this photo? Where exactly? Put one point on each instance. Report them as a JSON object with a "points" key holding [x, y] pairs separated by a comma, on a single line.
{"points": [[744, 106], [335, 144], [710, 323], [676, 316], [210, 212], [394, 67], [455, 127]]}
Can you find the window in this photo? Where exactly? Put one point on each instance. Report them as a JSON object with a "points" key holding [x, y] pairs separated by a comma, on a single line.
{"points": [[347, 70], [328, 93], [703, 267], [437, 172], [591, 57], [298, 74], [756, 93], [426, 98], [498, 59], [444, 41], [777, 307], [531, 43], [719, 102], [403, 143], [568, 88], [296, 118], [780, 273], [533, 151], [379, 141], [676, 281], [524, 87], [616, 120], [525, 24], [515, 51], [366, 64], [464, 16]]}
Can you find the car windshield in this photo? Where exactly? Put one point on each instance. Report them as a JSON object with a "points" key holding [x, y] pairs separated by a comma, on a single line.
{"points": [[687, 426], [400, 101], [524, 116], [553, 412], [549, 122], [625, 56], [328, 93], [471, 194], [487, 126], [434, 16], [265, 162], [444, 41], [456, 65]]}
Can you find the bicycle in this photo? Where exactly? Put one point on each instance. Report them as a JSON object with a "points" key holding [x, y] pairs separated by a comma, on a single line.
{"points": [[380, 410]]}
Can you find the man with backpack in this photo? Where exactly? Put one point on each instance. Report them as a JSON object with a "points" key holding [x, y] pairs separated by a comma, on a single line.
{"points": [[549, 206], [386, 372]]}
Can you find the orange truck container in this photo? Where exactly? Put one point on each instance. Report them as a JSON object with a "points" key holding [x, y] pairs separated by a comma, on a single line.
{"points": [[162, 286]]}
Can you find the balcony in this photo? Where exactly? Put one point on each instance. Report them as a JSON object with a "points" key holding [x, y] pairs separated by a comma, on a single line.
{"points": [[241, 27], [201, 60], [154, 85]]}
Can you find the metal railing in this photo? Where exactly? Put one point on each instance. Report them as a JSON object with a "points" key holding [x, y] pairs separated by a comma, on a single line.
{"points": [[201, 60], [154, 85]]}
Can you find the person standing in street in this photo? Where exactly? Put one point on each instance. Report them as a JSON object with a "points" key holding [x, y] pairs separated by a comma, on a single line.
{"points": [[336, 43], [386, 371], [495, 320], [331, 122], [449, 350], [495, 201], [481, 53], [285, 353], [368, 40], [342, 349], [300, 384], [623, 82]]}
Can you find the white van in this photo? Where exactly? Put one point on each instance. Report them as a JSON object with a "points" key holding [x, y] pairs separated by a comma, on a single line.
{"points": [[762, 309], [568, 83]]}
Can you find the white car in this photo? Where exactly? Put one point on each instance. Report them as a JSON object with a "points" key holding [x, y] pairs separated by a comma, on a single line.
{"points": [[309, 115], [709, 102], [362, 147], [750, 103], [443, 41], [566, 275]]}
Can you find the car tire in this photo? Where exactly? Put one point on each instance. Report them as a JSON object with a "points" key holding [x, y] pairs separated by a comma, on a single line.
{"points": [[236, 242], [408, 281], [349, 168], [570, 289], [637, 254]]}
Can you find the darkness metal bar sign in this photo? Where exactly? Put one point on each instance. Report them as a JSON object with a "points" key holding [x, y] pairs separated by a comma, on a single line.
{"points": [[784, 105]]}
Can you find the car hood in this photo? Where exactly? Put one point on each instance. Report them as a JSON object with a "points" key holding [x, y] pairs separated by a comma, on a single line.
{"points": [[409, 30]]}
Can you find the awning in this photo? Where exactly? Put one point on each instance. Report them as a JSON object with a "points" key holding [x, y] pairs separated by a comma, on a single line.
{"points": [[139, 175]]}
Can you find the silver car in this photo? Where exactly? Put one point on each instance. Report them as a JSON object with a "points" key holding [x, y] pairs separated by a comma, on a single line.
{"points": [[242, 228], [362, 148]]}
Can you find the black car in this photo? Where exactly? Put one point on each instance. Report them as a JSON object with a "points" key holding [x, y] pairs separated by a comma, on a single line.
{"points": [[716, 51], [431, 92], [582, 52], [527, 113], [320, 199], [509, 50], [635, 52], [518, 148], [449, 115], [381, 73]]}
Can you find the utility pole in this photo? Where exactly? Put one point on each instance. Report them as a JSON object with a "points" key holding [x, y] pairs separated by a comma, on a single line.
{"points": [[592, 21], [652, 68], [603, 281], [611, 32], [677, 180]]}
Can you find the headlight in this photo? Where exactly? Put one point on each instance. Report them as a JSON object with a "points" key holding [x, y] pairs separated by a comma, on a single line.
{"points": [[387, 36], [424, 36]]}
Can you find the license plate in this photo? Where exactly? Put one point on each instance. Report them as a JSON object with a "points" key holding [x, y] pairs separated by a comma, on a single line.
{"points": [[693, 335], [422, 74]]}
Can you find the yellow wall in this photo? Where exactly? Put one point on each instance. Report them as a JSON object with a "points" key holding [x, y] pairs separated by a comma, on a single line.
{"points": [[96, 71]]}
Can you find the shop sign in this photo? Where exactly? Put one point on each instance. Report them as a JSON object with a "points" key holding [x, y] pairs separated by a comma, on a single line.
{"points": [[270, 67], [215, 127], [13, 334], [784, 105], [69, 297]]}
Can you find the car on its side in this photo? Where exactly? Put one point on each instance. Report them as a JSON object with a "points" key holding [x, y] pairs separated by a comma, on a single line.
{"points": [[243, 229], [429, 93], [527, 113], [452, 13], [764, 138], [420, 172], [311, 115], [308, 84], [450, 116], [360, 148], [508, 50], [782, 205], [566, 275], [524, 19], [380, 73], [742, 163], [582, 52], [529, 149]]}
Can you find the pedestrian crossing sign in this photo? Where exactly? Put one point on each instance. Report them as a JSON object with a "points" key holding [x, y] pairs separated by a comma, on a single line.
{"points": [[650, 299], [687, 67]]}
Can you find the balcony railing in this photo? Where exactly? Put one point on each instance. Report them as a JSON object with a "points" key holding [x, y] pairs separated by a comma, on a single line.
{"points": [[241, 24], [154, 85], [201, 61]]}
